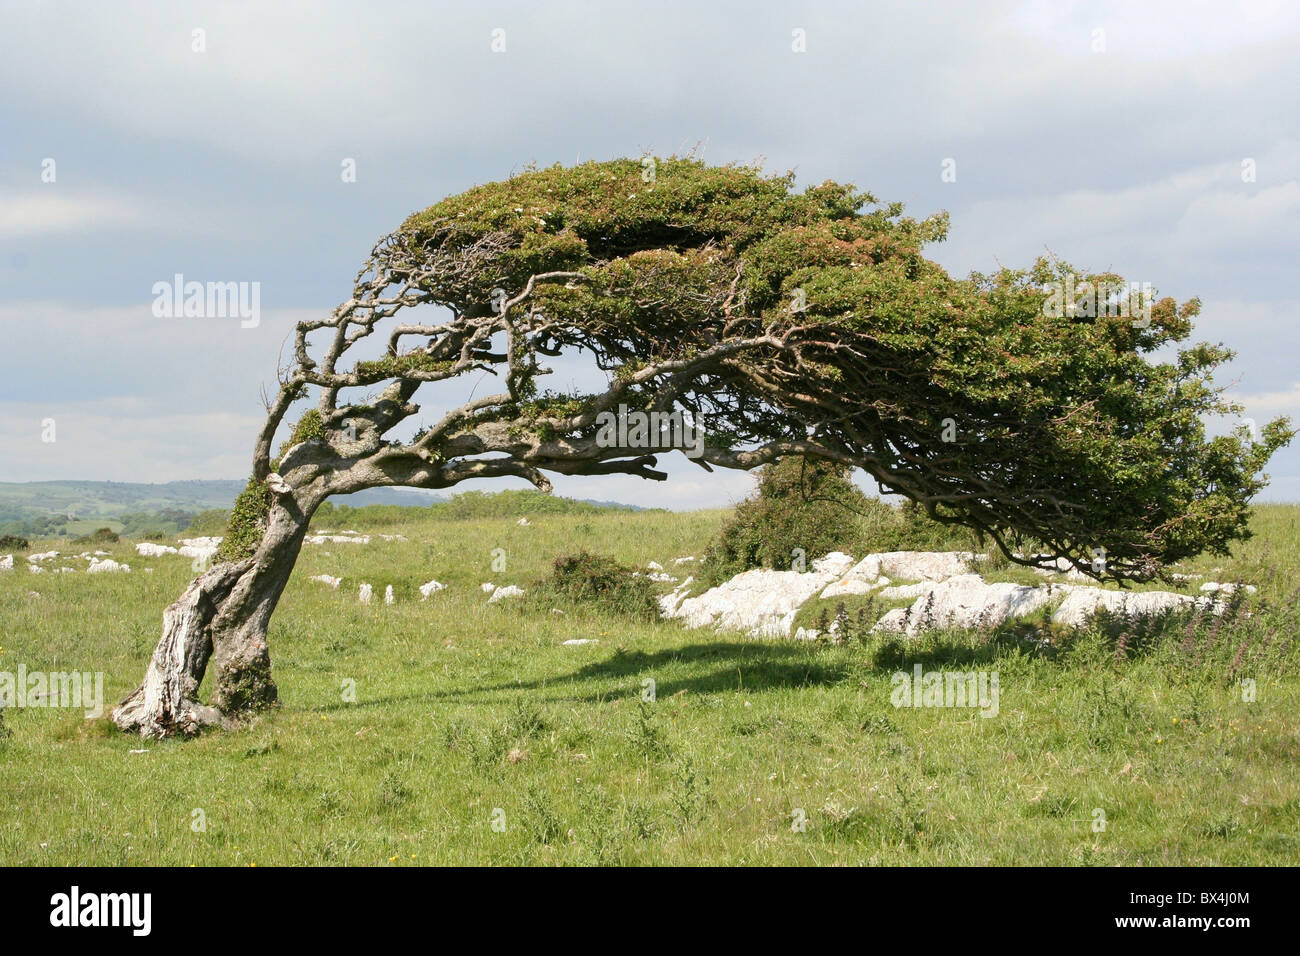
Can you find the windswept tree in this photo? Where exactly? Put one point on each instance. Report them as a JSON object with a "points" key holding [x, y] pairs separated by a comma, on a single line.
{"points": [[785, 323]]}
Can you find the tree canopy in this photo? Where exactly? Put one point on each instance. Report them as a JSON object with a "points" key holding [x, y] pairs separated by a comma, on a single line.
{"points": [[786, 323]]}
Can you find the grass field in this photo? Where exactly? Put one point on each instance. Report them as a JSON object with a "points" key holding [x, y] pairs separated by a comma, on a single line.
{"points": [[476, 737]]}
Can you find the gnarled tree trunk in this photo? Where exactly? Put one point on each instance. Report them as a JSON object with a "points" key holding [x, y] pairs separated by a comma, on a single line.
{"points": [[222, 617]]}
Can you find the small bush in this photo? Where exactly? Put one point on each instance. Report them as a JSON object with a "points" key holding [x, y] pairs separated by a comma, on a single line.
{"points": [[11, 542], [597, 579], [804, 509], [98, 536]]}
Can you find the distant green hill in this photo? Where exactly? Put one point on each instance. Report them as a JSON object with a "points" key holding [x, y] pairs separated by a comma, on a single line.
{"points": [[36, 509]]}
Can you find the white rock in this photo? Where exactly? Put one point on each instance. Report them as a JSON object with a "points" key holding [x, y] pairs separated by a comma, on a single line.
{"points": [[578, 641], [1081, 604], [859, 579], [203, 549], [388, 594], [806, 634], [836, 563], [661, 577], [923, 565], [42, 556], [332, 581], [430, 587], [392, 537], [907, 592], [654, 566], [107, 566], [966, 601], [35, 569], [686, 560], [7, 563], [524, 522], [337, 539], [487, 587], [760, 603], [508, 591], [365, 593], [1212, 587], [148, 549], [895, 620], [668, 602]]}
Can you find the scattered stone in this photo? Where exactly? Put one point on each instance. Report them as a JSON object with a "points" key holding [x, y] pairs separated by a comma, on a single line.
{"points": [[107, 566], [487, 587], [203, 549], [332, 581], [365, 593], [668, 602], [966, 601], [761, 603], [430, 587], [654, 566], [337, 539], [509, 591], [523, 522], [388, 594], [148, 549], [578, 641], [686, 560], [907, 591], [1081, 604], [44, 556], [923, 565], [7, 563], [1213, 587]]}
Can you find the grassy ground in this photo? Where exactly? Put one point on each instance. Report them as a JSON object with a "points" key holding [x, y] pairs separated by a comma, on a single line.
{"points": [[477, 737]]}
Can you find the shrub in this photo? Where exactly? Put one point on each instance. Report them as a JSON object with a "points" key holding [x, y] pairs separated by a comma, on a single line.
{"points": [[98, 536], [599, 580], [11, 542], [815, 507], [800, 504]]}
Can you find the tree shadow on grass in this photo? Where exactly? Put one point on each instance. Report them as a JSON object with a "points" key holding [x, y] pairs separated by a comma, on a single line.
{"points": [[746, 666]]}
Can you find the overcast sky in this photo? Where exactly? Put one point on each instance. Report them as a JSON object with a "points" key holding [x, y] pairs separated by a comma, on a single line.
{"points": [[1117, 135]]}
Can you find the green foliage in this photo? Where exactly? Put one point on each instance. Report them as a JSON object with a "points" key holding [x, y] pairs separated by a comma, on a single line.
{"points": [[597, 580], [308, 428], [208, 524], [11, 542], [804, 509], [247, 523], [801, 510], [98, 536], [155, 525], [968, 393]]}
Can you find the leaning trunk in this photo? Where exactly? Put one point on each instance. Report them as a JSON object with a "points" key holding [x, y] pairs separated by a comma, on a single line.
{"points": [[222, 617]]}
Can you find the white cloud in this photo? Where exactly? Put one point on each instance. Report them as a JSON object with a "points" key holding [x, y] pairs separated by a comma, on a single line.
{"points": [[50, 211]]}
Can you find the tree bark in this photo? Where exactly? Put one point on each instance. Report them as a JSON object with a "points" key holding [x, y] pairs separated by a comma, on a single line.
{"points": [[221, 617]]}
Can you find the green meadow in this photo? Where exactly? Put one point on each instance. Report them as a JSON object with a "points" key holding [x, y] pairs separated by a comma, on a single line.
{"points": [[454, 731]]}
